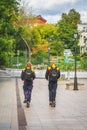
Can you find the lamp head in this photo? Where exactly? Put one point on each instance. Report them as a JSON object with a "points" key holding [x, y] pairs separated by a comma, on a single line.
{"points": [[75, 35]]}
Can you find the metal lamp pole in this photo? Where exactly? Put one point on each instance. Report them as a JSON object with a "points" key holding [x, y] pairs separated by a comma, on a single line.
{"points": [[75, 76], [49, 40], [48, 54]]}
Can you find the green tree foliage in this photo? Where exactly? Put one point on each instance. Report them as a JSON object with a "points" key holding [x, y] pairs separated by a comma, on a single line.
{"points": [[8, 13], [27, 31], [46, 31], [48, 34], [35, 37], [38, 58], [57, 48], [67, 26], [72, 17]]}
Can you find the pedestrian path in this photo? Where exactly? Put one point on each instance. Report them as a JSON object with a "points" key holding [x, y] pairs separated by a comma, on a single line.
{"points": [[8, 105], [70, 112]]}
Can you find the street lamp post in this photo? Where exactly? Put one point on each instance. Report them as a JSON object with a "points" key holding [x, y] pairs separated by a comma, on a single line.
{"points": [[48, 54], [17, 58], [49, 51], [75, 76]]}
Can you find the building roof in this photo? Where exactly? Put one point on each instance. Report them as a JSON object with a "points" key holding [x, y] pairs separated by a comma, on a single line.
{"points": [[41, 20]]}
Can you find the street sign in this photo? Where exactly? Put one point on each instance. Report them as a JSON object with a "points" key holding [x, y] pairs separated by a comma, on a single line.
{"points": [[66, 58]]}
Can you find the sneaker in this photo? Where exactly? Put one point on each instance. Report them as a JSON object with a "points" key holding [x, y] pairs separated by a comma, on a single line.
{"points": [[28, 104], [50, 103], [53, 104], [25, 101]]}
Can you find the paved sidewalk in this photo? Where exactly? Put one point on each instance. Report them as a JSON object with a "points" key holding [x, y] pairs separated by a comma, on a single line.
{"points": [[8, 105], [70, 112]]}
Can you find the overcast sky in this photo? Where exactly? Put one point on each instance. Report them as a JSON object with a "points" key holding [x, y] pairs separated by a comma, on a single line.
{"points": [[52, 10]]}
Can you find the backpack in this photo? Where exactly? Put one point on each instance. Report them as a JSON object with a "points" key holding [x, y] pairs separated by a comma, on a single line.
{"points": [[28, 75], [53, 75]]}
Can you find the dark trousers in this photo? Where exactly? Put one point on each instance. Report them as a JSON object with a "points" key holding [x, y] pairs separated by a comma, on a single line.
{"points": [[27, 91], [52, 91]]}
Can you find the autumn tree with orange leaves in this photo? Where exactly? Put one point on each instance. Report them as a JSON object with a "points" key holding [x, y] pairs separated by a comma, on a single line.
{"points": [[43, 47]]}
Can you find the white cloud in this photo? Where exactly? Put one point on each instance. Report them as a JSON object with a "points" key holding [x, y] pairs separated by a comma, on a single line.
{"points": [[53, 18], [44, 4], [52, 10], [56, 18], [84, 16]]}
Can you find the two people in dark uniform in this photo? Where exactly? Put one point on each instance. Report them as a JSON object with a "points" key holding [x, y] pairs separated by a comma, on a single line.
{"points": [[52, 75]]}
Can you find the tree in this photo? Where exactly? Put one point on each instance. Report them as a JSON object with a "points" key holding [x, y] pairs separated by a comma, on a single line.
{"points": [[57, 48], [67, 26], [26, 30], [8, 13], [72, 17], [40, 47], [49, 34]]}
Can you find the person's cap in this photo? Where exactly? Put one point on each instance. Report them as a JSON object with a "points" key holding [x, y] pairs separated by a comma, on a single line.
{"points": [[28, 65], [53, 65], [48, 68]]}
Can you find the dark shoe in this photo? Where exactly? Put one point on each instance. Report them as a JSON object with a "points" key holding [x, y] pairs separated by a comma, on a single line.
{"points": [[25, 101], [28, 104], [50, 103], [53, 104]]}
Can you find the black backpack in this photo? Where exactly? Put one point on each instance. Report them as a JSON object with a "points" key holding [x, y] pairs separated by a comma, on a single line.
{"points": [[53, 75], [28, 75]]}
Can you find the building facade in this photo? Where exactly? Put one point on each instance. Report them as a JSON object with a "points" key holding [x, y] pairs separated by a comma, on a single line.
{"points": [[82, 29]]}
